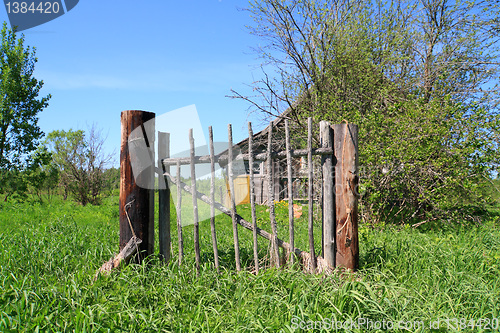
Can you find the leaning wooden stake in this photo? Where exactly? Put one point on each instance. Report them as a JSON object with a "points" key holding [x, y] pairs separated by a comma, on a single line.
{"points": [[125, 254], [327, 162], [346, 175], [136, 190], [195, 204], [252, 199], [232, 198], [164, 198], [212, 197], [275, 258]]}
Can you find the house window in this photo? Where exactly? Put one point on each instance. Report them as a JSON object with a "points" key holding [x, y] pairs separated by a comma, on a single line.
{"points": [[256, 167]]}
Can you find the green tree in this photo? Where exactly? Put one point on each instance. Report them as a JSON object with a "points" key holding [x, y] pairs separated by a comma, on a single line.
{"points": [[81, 162], [419, 77], [112, 180], [19, 109], [42, 175]]}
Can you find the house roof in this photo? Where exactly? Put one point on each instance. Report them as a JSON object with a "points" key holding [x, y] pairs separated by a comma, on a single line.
{"points": [[260, 138]]}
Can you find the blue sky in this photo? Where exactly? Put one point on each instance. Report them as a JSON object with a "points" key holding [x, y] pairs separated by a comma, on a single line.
{"points": [[104, 57]]}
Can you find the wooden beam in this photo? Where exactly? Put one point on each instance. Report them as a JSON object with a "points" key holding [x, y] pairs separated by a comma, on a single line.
{"points": [[164, 199], [346, 175], [252, 199], [136, 200], [232, 198], [212, 197], [275, 258], [196, 229], [180, 239], [290, 191], [258, 157], [310, 194], [327, 165]]}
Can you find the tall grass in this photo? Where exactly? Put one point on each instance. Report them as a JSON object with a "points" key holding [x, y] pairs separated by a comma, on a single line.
{"points": [[50, 252]]}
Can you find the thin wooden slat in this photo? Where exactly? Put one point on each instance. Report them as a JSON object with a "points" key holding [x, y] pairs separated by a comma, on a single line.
{"points": [[326, 136], [310, 194], [275, 260], [252, 199], [179, 215], [346, 176], [259, 157], [212, 197], [195, 204], [232, 199], [164, 199], [290, 190]]}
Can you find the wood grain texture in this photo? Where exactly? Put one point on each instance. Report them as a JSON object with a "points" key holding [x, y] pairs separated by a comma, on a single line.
{"points": [[212, 198], [252, 199], [196, 229], [327, 165], [346, 197], [232, 198], [164, 198], [139, 201]]}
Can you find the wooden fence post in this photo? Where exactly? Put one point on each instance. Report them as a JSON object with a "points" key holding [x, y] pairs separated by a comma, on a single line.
{"points": [[328, 163], [232, 198], [275, 255], [196, 225], [346, 177], [310, 194], [136, 191], [164, 198], [212, 198]]}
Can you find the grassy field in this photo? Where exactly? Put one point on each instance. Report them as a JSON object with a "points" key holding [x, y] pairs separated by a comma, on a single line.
{"points": [[50, 252]]}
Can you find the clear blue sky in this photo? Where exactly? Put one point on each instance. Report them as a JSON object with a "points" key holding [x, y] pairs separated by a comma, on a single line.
{"points": [[104, 57]]}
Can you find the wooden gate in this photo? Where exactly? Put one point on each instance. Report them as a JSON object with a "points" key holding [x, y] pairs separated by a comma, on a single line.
{"points": [[338, 149]]}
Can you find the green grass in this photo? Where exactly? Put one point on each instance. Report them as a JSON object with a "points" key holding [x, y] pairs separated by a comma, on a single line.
{"points": [[50, 252]]}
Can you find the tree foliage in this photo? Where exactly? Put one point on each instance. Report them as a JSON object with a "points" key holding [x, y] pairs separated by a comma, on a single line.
{"points": [[420, 78], [19, 108], [81, 162]]}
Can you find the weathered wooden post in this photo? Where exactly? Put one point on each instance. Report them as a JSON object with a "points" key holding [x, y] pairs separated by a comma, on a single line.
{"points": [[346, 178], [232, 198], [310, 200], [196, 225], [164, 198], [136, 190], [328, 164]]}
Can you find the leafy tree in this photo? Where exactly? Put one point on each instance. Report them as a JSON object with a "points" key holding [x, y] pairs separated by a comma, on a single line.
{"points": [[43, 175], [19, 108], [419, 77], [112, 180], [81, 162]]}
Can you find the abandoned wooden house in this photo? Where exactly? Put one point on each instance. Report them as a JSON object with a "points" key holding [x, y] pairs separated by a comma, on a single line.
{"points": [[241, 171]]}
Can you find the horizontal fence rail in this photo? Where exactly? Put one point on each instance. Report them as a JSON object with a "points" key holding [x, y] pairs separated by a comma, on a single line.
{"points": [[281, 154]]}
